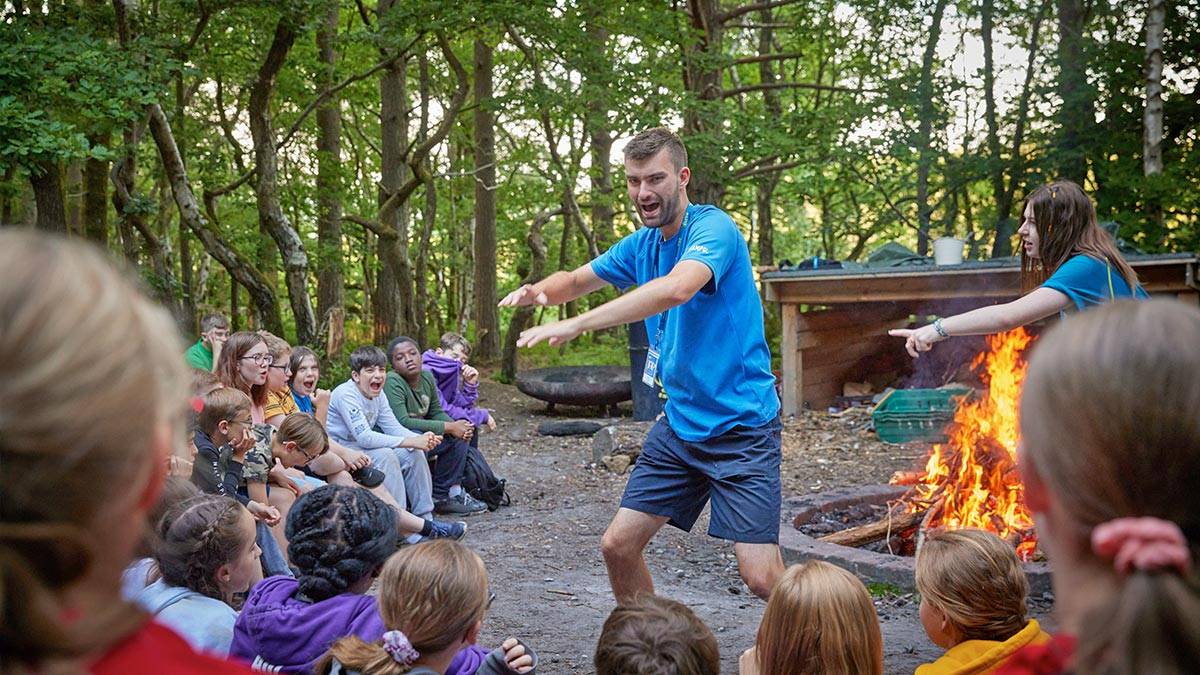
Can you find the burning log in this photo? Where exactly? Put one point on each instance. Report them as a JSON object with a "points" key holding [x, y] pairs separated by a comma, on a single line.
{"points": [[865, 534], [906, 477]]}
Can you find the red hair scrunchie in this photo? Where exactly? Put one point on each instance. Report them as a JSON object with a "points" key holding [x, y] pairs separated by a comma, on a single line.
{"points": [[1142, 544]]}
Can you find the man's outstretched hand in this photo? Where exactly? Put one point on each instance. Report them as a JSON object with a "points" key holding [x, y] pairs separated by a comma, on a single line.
{"points": [[557, 333], [524, 295]]}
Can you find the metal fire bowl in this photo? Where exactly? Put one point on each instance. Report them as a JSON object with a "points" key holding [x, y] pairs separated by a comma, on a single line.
{"points": [[577, 385]]}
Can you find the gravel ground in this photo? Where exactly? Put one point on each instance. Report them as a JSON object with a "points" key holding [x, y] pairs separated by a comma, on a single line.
{"points": [[543, 556]]}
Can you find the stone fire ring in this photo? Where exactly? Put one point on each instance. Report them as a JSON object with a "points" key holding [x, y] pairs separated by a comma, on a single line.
{"points": [[880, 567]]}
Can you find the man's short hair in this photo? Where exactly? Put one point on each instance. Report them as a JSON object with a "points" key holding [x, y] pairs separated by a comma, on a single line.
{"points": [[211, 321], [656, 636], [648, 143], [366, 357]]}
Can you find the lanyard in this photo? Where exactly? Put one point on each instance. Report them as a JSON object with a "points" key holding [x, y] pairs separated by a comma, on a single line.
{"points": [[662, 318]]}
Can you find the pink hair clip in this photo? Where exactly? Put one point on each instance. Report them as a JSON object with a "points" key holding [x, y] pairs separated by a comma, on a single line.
{"points": [[1143, 544]]}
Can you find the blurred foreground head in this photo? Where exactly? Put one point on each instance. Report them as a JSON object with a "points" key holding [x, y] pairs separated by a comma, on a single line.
{"points": [[92, 400]]}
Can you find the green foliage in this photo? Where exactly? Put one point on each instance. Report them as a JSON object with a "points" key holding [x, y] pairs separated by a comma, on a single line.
{"points": [[832, 137]]}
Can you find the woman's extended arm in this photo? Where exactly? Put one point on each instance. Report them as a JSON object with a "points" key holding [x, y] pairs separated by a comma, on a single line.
{"points": [[1038, 304]]}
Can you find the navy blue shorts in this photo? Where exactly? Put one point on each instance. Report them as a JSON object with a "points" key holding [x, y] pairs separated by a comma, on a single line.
{"points": [[738, 471]]}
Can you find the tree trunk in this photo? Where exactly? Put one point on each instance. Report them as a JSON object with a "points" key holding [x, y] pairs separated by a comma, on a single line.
{"points": [[1077, 115], [1152, 161], [925, 128], [261, 294], [1004, 228], [394, 269], [330, 287], [124, 180], [702, 119], [599, 132], [428, 215], [522, 315], [487, 320], [95, 195], [270, 213], [766, 184], [74, 197], [48, 194], [1002, 245]]}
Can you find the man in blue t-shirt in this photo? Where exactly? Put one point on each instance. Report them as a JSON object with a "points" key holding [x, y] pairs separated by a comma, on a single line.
{"points": [[720, 439]]}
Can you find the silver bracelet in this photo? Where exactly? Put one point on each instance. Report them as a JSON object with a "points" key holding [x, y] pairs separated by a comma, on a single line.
{"points": [[941, 330]]}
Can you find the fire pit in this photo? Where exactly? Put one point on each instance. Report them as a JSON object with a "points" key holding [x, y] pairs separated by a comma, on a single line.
{"points": [[969, 481], [876, 565], [577, 385]]}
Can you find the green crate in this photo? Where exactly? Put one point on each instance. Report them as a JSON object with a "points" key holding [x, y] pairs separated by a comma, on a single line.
{"points": [[906, 415]]}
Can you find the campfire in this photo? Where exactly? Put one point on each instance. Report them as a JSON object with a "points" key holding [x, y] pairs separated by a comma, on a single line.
{"points": [[971, 480]]}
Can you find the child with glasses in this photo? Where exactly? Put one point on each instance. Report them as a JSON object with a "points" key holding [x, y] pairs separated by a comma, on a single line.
{"points": [[433, 599], [243, 365]]}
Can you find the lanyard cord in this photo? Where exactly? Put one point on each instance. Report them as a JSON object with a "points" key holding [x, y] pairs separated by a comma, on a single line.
{"points": [[662, 318]]}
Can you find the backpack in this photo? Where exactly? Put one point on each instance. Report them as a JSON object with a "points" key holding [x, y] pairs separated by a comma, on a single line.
{"points": [[481, 483]]}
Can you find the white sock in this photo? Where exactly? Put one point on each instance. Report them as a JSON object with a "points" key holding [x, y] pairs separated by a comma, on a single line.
{"points": [[455, 490]]}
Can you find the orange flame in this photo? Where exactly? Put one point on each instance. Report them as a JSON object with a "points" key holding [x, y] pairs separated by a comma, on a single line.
{"points": [[974, 475]]}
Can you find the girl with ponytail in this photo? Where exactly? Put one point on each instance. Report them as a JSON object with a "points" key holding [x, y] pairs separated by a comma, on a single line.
{"points": [[94, 399], [1109, 458], [433, 598]]}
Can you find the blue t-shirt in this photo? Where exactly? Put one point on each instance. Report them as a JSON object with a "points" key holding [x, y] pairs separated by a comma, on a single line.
{"points": [[1085, 281], [714, 362], [303, 403]]}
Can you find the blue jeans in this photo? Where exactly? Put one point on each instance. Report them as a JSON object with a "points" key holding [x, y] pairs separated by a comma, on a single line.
{"points": [[273, 562]]}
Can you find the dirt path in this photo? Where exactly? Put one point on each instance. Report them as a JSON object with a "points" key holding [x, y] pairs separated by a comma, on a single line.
{"points": [[543, 553]]}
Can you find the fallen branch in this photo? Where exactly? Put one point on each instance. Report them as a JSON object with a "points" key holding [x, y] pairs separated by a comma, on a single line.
{"points": [[865, 534]]}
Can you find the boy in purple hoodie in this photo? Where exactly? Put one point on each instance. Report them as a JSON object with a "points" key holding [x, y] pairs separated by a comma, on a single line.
{"points": [[457, 382], [338, 539]]}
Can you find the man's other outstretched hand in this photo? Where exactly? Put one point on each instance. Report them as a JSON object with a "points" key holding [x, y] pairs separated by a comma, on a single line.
{"points": [[557, 333], [525, 295]]}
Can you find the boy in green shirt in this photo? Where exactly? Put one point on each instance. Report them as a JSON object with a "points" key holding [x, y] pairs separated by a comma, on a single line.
{"points": [[214, 329], [413, 397]]}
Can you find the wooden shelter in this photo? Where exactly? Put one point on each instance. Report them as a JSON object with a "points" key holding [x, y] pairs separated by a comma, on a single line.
{"points": [[835, 321]]}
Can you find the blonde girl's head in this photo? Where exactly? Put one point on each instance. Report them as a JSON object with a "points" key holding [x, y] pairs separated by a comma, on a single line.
{"points": [[94, 400], [435, 593], [973, 585], [1110, 431], [819, 619]]}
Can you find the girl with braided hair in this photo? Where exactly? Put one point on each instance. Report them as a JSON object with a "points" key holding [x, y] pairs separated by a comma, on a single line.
{"points": [[206, 553], [94, 400]]}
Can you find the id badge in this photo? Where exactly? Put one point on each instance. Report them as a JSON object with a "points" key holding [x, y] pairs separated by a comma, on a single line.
{"points": [[651, 369]]}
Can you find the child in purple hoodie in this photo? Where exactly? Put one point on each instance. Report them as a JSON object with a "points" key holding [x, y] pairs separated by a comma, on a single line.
{"points": [[338, 540], [457, 382], [433, 598]]}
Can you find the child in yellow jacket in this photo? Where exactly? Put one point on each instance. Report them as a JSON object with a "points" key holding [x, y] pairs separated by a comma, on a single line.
{"points": [[973, 593]]}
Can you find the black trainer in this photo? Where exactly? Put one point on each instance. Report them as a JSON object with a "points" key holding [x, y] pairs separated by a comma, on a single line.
{"points": [[461, 504]]}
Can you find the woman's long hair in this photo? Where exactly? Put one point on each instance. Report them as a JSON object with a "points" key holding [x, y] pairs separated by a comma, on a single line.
{"points": [[90, 379], [1110, 424], [1066, 225]]}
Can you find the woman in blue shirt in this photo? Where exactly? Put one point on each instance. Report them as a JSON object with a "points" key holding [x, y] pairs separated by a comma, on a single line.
{"points": [[1067, 262]]}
